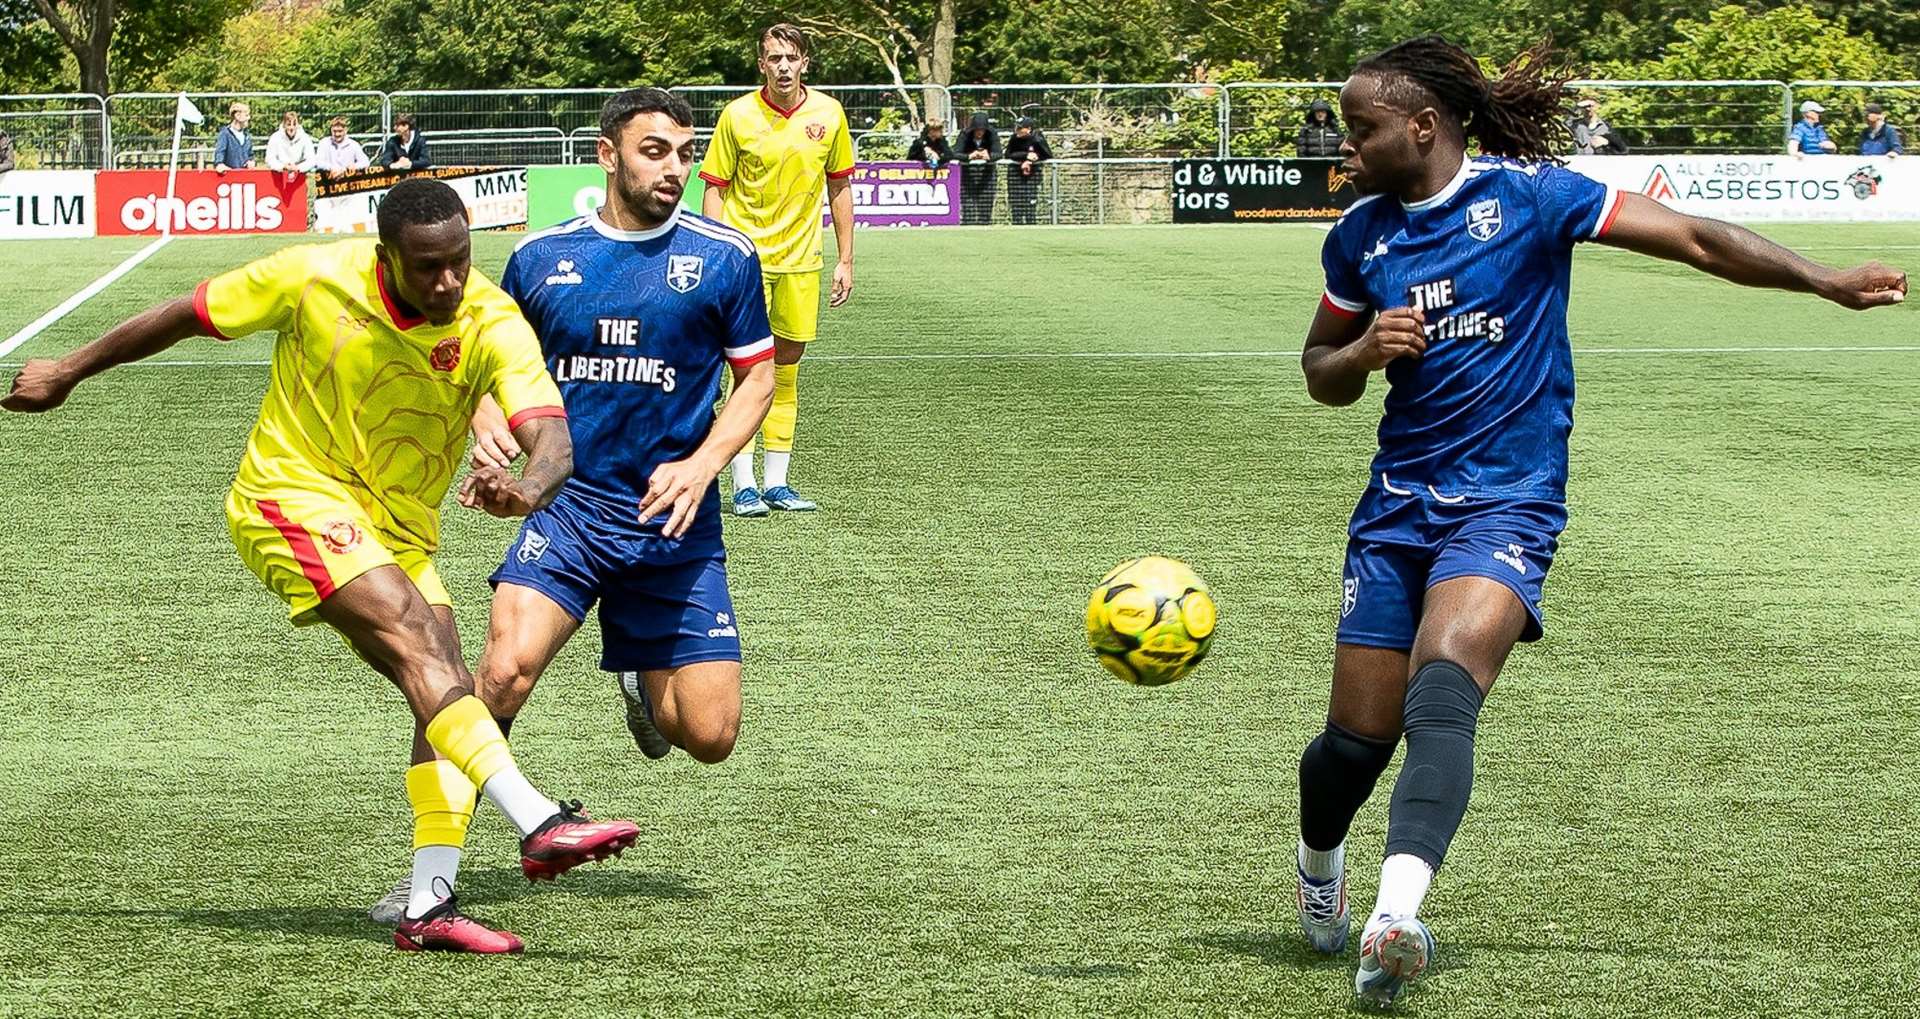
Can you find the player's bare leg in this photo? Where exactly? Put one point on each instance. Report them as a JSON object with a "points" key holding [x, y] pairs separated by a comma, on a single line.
{"points": [[387, 621], [697, 707]]}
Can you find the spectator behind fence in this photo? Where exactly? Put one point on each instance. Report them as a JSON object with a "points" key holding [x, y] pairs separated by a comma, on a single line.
{"points": [[339, 155], [234, 148], [1881, 138], [406, 148], [932, 147], [980, 148], [290, 150], [6, 152], [1592, 135], [1809, 137], [1320, 135], [1027, 149]]}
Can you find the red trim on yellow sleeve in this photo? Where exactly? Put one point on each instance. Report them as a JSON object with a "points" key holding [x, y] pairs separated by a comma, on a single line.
{"points": [[205, 316], [837, 174], [715, 181], [751, 360], [535, 412]]}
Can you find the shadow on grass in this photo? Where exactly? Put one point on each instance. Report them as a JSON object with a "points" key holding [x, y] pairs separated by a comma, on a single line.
{"points": [[350, 923], [1288, 948]]}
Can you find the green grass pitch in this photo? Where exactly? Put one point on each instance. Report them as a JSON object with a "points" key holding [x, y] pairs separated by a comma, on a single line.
{"points": [[1693, 799]]}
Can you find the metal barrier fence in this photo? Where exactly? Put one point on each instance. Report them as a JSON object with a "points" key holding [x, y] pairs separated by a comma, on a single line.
{"points": [[141, 123], [1095, 121], [56, 132], [1089, 121]]}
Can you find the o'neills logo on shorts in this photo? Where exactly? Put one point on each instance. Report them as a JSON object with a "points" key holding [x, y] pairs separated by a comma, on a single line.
{"points": [[241, 202]]}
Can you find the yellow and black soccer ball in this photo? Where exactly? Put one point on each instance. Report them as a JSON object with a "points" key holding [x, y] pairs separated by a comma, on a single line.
{"points": [[1151, 620]]}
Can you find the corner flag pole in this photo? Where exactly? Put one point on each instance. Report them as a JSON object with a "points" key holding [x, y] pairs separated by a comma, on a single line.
{"points": [[184, 112]]}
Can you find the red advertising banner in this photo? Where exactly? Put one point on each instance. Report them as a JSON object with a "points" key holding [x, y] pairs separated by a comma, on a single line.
{"points": [[204, 202]]}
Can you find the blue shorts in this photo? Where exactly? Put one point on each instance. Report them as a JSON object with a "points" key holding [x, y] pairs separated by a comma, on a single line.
{"points": [[1406, 539], [663, 603]]}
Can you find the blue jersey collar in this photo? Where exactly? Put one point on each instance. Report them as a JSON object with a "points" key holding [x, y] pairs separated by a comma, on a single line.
{"points": [[1440, 197], [613, 233]]}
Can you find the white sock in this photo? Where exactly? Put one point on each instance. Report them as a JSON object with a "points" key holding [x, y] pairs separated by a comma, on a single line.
{"points": [[743, 469], [1323, 866], [1404, 878], [434, 868], [777, 468], [518, 799]]}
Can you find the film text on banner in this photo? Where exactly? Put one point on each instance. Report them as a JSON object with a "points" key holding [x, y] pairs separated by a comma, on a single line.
{"points": [[47, 203], [1259, 190], [204, 202], [495, 197], [1832, 188], [904, 194], [556, 194]]}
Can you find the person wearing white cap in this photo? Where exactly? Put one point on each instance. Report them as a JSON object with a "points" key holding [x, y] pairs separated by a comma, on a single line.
{"points": [[1809, 137]]}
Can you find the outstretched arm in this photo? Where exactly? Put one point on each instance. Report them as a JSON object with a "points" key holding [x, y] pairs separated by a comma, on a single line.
{"points": [[676, 488], [549, 449], [1741, 256], [45, 384]]}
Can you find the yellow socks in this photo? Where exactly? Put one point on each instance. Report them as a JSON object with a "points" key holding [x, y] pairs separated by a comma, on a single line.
{"points": [[442, 799], [777, 432], [466, 734]]}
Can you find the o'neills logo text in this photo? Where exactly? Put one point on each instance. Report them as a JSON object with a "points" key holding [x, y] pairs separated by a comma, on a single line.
{"points": [[237, 207]]}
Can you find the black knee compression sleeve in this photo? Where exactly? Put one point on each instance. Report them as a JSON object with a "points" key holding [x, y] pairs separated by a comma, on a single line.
{"points": [[1337, 774], [1443, 706]]}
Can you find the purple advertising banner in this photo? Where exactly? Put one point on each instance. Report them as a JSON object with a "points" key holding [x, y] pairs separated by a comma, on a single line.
{"points": [[905, 194]]}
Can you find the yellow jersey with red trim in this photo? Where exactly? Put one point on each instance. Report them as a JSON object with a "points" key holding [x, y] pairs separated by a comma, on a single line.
{"points": [[363, 398], [774, 165]]}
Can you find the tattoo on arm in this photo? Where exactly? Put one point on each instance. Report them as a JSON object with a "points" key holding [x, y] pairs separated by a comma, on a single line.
{"points": [[549, 463]]}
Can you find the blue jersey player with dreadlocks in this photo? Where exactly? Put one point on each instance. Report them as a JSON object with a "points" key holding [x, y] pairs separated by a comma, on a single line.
{"points": [[639, 307], [1451, 277]]}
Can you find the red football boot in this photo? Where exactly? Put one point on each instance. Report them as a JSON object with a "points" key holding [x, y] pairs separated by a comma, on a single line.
{"points": [[569, 839], [446, 929]]}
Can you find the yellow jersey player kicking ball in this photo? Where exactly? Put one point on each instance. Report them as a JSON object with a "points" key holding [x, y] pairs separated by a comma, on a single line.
{"points": [[384, 350], [772, 154]]}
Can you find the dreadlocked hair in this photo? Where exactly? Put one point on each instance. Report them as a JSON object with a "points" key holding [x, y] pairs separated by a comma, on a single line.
{"points": [[1517, 115]]}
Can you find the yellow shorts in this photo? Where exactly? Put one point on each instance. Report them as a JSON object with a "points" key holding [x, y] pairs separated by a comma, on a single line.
{"points": [[304, 545], [793, 304]]}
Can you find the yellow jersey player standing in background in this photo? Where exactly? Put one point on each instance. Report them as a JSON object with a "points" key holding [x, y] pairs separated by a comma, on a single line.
{"points": [[772, 153], [384, 348]]}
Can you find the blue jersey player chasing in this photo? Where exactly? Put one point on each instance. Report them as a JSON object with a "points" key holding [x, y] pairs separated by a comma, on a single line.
{"points": [[1451, 276], [639, 308]]}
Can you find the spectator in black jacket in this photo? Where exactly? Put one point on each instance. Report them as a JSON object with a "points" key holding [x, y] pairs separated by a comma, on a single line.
{"points": [[979, 151], [406, 148], [932, 148], [1026, 150], [1320, 135]]}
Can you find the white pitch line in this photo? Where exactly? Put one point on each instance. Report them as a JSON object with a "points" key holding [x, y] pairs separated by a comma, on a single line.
{"points": [[1177, 355], [60, 311]]}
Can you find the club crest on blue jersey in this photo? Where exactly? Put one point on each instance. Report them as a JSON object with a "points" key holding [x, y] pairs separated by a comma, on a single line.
{"points": [[683, 272], [1483, 219]]}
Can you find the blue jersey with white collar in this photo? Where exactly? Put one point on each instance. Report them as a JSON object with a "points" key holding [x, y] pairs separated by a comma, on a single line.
{"points": [[637, 327], [1485, 413]]}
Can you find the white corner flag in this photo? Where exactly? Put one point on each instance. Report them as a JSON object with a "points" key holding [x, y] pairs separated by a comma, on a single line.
{"points": [[188, 112]]}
